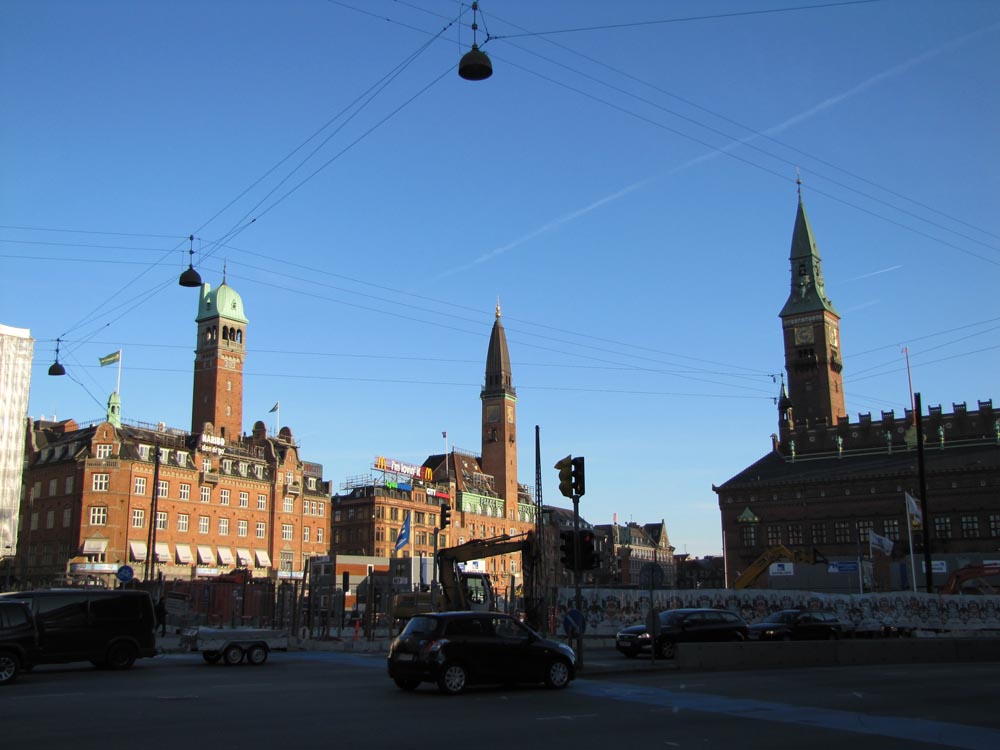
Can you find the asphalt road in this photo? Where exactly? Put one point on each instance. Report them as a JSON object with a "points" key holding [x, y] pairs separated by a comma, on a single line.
{"points": [[315, 699]]}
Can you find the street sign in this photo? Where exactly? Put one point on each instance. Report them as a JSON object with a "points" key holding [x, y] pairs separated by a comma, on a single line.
{"points": [[849, 566], [574, 623], [125, 573]]}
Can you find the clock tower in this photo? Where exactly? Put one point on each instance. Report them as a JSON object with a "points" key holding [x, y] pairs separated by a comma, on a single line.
{"points": [[218, 362], [499, 454], [811, 329]]}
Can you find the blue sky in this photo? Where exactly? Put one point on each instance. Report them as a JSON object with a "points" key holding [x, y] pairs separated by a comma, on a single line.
{"points": [[624, 183]]}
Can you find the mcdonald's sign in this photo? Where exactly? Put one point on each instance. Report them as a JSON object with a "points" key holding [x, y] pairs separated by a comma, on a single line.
{"points": [[398, 467]]}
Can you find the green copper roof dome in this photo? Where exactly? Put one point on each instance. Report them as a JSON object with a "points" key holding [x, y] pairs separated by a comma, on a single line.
{"points": [[224, 302]]}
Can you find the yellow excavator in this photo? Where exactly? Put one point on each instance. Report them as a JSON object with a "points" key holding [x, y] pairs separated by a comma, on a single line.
{"points": [[773, 554], [459, 590]]}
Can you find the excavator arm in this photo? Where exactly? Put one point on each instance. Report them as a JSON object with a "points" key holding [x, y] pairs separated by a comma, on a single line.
{"points": [[450, 576]]}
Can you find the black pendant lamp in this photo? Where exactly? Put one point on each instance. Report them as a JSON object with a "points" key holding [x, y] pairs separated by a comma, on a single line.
{"points": [[190, 277], [475, 65], [57, 369]]}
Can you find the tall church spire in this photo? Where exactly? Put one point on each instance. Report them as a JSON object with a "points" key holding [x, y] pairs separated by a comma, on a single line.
{"points": [[499, 398], [811, 328]]}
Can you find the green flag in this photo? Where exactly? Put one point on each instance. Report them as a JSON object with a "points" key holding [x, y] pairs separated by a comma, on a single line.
{"points": [[111, 358]]}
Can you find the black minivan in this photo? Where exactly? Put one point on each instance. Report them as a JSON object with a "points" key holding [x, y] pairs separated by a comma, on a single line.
{"points": [[109, 628]]}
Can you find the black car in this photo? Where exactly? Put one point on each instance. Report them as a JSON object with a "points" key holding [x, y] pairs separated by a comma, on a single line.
{"points": [[797, 624], [455, 649], [679, 626], [18, 640], [109, 628]]}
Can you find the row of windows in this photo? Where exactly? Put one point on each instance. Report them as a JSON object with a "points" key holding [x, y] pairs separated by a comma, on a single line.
{"points": [[845, 532], [36, 490], [101, 483], [99, 517]]}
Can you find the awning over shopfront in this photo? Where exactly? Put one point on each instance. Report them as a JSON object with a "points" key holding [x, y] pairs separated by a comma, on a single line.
{"points": [[163, 553], [94, 546], [244, 557], [205, 555], [263, 559], [137, 550], [184, 554], [226, 556]]}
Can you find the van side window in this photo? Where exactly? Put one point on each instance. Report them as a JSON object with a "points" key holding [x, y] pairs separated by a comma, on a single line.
{"points": [[115, 609], [63, 610]]}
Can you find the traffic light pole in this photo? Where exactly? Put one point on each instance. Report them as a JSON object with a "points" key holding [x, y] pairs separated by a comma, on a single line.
{"points": [[576, 579]]}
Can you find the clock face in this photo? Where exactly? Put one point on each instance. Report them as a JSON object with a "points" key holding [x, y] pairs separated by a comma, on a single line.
{"points": [[833, 337], [803, 335]]}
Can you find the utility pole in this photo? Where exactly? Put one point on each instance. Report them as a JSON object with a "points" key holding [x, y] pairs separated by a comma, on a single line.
{"points": [[151, 535], [928, 575]]}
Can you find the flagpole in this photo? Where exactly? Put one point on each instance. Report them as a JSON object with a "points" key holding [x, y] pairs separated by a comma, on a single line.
{"points": [[118, 388], [909, 533]]}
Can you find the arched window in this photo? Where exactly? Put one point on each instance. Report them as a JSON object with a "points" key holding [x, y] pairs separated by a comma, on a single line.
{"points": [[239, 335], [225, 333]]}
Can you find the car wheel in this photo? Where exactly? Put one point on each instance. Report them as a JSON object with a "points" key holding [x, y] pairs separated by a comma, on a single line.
{"points": [[557, 674], [407, 685], [256, 655], [452, 679], [233, 655], [667, 649], [212, 657], [9, 667], [121, 656], [739, 637]]}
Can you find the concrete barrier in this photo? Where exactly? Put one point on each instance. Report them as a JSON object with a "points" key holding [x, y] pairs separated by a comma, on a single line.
{"points": [[757, 655]]}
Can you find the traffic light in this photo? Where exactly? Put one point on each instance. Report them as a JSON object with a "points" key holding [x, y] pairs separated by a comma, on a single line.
{"points": [[565, 466], [589, 558], [578, 485], [445, 515], [567, 550]]}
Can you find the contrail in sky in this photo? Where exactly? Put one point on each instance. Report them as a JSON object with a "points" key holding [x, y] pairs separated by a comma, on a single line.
{"points": [[875, 273], [792, 121]]}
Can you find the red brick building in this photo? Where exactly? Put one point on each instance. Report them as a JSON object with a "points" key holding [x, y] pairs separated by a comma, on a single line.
{"points": [[170, 502], [827, 480]]}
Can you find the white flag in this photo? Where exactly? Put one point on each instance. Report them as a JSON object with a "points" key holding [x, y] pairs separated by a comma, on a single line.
{"points": [[881, 543], [916, 516]]}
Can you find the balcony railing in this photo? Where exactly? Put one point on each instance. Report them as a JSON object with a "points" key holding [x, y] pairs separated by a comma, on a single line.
{"points": [[209, 477], [295, 488]]}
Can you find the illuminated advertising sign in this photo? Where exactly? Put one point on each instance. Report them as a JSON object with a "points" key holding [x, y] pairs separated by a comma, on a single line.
{"points": [[398, 467], [398, 486]]}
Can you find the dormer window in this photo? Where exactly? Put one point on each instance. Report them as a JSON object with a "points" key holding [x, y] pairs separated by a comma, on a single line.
{"points": [[164, 455], [182, 458], [144, 451], [104, 450], [227, 466]]}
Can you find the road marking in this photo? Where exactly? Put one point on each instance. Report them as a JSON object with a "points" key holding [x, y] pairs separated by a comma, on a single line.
{"points": [[954, 736]]}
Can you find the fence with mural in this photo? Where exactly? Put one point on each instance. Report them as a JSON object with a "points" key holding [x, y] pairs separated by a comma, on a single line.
{"points": [[608, 610]]}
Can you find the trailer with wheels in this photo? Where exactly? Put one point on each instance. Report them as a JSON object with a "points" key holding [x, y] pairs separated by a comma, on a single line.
{"points": [[234, 645]]}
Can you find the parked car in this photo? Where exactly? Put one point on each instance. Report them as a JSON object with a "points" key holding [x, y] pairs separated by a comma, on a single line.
{"points": [[18, 640], [680, 626], [456, 649], [109, 628], [797, 625]]}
